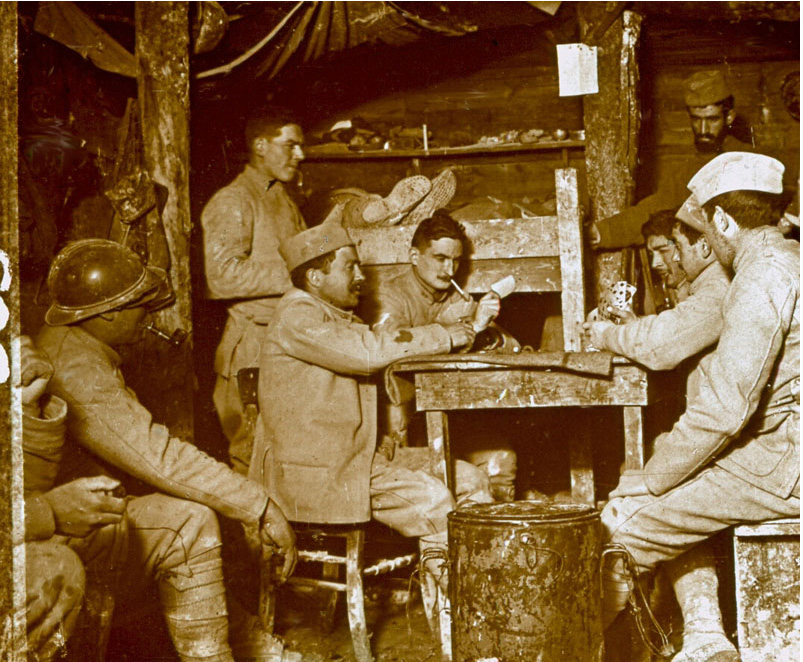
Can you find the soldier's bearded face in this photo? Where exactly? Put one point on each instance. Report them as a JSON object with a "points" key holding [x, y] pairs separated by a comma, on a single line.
{"points": [[710, 126]]}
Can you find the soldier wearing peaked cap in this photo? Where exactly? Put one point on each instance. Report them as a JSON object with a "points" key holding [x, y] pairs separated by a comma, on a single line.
{"points": [[317, 450], [734, 455], [710, 105]]}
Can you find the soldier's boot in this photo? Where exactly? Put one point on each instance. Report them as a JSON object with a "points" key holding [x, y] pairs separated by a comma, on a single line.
{"points": [[617, 585], [695, 582], [193, 600]]}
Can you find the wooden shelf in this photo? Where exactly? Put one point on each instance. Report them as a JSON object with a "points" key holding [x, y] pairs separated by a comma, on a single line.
{"points": [[313, 154]]}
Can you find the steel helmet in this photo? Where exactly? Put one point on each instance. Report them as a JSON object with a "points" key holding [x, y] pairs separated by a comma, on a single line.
{"points": [[92, 276]]}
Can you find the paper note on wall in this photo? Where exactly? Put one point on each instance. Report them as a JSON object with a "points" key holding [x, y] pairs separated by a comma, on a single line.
{"points": [[577, 69]]}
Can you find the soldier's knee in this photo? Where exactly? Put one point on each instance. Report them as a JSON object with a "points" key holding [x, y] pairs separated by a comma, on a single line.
{"points": [[202, 529], [55, 584]]}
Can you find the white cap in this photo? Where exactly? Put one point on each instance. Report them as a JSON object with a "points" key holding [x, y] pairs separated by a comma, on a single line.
{"points": [[737, 171], [692, 214]]}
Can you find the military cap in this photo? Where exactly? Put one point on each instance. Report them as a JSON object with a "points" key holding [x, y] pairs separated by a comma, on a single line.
{"points": [[692, 214], [732, 171], [737, 171], [319, 240], [704, 88]]}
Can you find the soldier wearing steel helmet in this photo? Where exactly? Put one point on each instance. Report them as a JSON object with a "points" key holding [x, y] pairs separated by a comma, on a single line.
{"points": [[100, 295]]}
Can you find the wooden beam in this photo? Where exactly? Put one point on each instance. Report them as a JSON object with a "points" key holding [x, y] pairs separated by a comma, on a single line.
{"points": [[490, 239], [12, 520], [504, 389], [162, 50], [570, 233], [612, 118]]}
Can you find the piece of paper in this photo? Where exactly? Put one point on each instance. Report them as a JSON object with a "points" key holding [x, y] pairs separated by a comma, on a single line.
{"points": [[577, 69]]}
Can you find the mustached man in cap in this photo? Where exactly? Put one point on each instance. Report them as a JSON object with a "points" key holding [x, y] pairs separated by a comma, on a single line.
{"points": [[317, 451], [734, 455], [710, 105]]}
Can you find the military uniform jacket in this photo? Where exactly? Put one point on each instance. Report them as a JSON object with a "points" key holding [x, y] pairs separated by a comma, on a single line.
{"points": [[318, 407], [624, 229], [42, 445], [243, 225], [663, 341], [406, 301], [106, 418], [743, 405]]}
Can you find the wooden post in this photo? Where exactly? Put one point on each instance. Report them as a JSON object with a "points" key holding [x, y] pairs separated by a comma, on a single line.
{"points": [[611, 118], [570, 241], [12, 520], [162, 50]]}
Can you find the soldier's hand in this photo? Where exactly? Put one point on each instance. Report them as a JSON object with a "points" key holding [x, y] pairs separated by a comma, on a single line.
{"points": [[487, 310], [36, 374], [461, 333], [594, 332], [277, 532], [85, 504], [387, 447], [622, 315]]}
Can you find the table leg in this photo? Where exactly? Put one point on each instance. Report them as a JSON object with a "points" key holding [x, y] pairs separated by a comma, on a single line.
{"points": [[581, 465], [634, 437], [440, 460]]}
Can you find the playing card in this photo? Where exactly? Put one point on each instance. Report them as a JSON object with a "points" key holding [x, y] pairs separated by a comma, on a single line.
{"points": [[617, 295], [504, 287]]}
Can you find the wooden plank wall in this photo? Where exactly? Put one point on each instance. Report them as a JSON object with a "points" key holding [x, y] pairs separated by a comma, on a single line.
{"points": [[757, 94]]}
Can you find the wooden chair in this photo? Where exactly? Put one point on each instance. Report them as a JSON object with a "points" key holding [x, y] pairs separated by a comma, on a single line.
{"points": [[341, 570], [544, 254]]}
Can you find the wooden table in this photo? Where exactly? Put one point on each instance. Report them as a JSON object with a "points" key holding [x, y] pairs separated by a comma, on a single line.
{"points": [[555, 379]]}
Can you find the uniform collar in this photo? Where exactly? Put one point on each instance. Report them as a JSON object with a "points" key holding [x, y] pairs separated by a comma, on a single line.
{"points": [[432, 296], [755, 241], [710, 272], [338, 312], [95, 344], [258, 179]]}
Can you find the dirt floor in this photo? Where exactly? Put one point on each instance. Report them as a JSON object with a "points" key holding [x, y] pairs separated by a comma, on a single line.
{"points": [[394, 614], [396, 621]]}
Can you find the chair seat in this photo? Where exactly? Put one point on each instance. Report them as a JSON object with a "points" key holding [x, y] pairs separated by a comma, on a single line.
{"points": [[332, 546]]}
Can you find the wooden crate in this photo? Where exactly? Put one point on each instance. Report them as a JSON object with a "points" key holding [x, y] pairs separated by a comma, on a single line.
{"points": [[767, 566]]}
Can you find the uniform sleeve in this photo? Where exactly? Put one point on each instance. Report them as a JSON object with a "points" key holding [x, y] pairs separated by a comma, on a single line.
{"points": [[663, 341], [725, 389], [43, 437], [390, 311], [624, 229], [106, 418], [232, 270], [40, 523], [345, 347]]}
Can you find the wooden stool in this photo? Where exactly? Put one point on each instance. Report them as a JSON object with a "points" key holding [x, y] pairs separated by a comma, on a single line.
{"points": [[313, 547]]}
